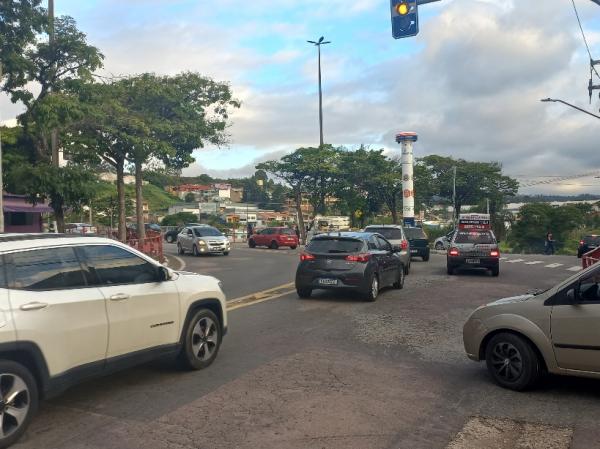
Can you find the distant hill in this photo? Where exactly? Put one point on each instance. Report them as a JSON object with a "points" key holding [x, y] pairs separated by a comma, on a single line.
{"points": [[550, 198]]}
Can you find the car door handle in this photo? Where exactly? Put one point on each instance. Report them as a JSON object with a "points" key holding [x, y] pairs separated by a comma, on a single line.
{"points": [[34, 306], [119, 297]]}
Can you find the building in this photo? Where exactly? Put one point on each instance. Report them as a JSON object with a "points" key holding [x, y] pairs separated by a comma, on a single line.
{"points": [[112, 177], [21, 216]]}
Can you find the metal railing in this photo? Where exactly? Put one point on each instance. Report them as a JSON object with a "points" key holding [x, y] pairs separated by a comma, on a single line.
{"points": [[590, 258]]}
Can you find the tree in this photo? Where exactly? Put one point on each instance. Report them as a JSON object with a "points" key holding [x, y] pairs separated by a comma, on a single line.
{"points": [[179, 219], [190, 197]]}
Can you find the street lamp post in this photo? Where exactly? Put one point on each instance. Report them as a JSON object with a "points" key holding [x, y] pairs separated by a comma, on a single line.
{"points": [[554, 100], [318, 44]]}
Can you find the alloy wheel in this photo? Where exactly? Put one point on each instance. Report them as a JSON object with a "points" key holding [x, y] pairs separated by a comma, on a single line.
{"points": [[374, 287], [14, 404], [507, 361], [205, 338]]}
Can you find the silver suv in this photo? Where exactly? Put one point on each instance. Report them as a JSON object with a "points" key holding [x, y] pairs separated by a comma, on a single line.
{"points": [[72, 307], [202, 240], [396, 236]]}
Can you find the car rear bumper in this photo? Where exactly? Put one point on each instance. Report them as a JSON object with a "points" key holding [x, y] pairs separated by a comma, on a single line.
{"points": [[355, 279], [419, 252], [467, 262]]}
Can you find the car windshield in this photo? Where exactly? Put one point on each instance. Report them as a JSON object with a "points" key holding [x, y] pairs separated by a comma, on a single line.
{"points": [[415, 233], [335, 245], [207, 232], [592, 240], [388, 233], [475, 237]]}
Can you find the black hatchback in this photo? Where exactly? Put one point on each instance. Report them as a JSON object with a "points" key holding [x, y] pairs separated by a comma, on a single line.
{"points": [[361, 261]]}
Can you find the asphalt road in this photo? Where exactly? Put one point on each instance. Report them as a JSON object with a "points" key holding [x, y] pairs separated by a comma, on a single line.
{"points": [[333, 372]]}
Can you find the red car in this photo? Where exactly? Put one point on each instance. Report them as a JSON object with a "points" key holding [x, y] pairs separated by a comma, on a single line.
{"points": [[274, 238]]}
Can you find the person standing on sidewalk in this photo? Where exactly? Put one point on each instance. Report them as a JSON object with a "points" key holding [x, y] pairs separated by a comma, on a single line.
{"points": [[549, 243]]}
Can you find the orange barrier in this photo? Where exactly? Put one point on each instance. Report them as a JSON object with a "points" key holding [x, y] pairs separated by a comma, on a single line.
{"points": [[590, 258], [152, 245]]}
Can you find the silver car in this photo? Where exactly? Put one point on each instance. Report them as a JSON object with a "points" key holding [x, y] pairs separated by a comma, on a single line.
{"points": [[396, 236], [202, 240], [442, 243], [552, 331]]}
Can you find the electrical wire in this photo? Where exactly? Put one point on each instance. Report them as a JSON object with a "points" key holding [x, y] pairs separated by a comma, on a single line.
{"points": [[584, 38]]}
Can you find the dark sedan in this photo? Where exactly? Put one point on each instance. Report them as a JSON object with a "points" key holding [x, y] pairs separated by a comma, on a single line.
{"points": [[474, 249], [361, 261], [419, 243]]}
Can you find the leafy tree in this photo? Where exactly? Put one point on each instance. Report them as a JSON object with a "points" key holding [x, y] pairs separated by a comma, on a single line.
{"points": [[190, 198], [179, 219]]}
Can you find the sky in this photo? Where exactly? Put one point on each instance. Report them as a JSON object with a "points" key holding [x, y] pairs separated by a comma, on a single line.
{"points": [[469, 84]]}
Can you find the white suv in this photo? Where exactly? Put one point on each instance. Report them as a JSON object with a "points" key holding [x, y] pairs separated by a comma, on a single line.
{"points": [[76, 307]]}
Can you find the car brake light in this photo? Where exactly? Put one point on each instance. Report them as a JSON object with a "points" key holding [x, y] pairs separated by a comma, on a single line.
{"points": [[453, 252], [404, 244], [495, 253], [358, 257], [306, 256]]}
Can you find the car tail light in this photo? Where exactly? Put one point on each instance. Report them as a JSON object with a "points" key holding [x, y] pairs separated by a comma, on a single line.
{"points": [[495, 253], [306, 256], [358, 257], [453, 252], [404, 244]]}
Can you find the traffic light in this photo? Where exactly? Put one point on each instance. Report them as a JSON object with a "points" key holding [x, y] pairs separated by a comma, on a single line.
{"points": [[405, 18]]}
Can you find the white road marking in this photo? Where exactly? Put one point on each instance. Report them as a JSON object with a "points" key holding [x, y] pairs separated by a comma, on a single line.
{"points": [[504, 258], [533, 262], [553, 265], [181, 262], [576, 268], [515, 260]]}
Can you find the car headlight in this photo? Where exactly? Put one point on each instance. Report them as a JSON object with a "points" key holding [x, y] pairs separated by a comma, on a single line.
{"points": [[201, 243]]}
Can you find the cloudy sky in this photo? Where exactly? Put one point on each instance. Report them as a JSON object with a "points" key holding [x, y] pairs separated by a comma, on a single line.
{"points": [[469, 84]]}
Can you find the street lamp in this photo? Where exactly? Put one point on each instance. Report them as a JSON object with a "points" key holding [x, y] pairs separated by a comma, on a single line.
{"points": [[553, 100], [318, 44]]}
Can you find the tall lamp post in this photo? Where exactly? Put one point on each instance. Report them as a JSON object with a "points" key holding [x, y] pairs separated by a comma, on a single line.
{"points": [[554, 100], [318, 44]]}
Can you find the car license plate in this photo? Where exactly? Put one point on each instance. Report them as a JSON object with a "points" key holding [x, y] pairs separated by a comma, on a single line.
{"points": [[473, 261], [414, 251], [328, 281]]}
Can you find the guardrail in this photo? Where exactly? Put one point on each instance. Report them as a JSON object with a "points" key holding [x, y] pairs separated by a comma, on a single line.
{"points": [[151, 246], [590, 258]]}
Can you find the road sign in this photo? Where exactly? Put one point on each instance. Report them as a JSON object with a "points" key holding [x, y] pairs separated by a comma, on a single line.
{"points": [[405, 18]]}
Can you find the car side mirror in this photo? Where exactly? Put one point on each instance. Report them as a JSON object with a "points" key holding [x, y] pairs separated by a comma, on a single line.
{"points": [[573, 296], [396, 248], [163, 274]]}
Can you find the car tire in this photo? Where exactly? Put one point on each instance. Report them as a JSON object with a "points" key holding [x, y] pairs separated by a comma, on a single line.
{"points": [[495, 271], [169, 239], [523, 368], [293, 247], [450, 270], [407, 268], [439, 246], [202, 340], [22, 395], [274, 245], [373, 292], [226, 253], [195, 251], [399, 284], [426, 258], [303, 292], [251, 244], [180, 249]]}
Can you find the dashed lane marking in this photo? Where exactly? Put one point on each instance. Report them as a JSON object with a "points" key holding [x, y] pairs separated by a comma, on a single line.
{"points": [[504, 258], [575, 268], [553, 265], [262, 296], [534, 262], [515, 260]]}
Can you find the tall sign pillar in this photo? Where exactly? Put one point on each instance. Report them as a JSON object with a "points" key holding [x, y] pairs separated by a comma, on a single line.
{"points": [[406, 140]]}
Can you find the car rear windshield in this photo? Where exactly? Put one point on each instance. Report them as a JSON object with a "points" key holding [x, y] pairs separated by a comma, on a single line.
{"points": [[592, 240], [207, 232], [335, 245], [475, 237], [388, 233], [287, 231], [415, 233]]}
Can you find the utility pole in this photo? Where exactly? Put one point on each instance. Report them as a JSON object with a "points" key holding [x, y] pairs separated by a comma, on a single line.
{"points": [[487, 200], [318, 44], [454, 217], [1, 177], [54, 132]]}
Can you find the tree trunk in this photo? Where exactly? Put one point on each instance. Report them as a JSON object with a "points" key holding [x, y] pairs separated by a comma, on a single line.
{"points": [[298, 196], [121, 200], [394, 210], [59, 214], [139, 201]]}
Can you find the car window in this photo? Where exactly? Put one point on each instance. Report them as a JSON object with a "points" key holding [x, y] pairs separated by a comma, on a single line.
{"points": [[207, 232], [383, 244], [114, 266], [589, 288], [475, 237], [189, 232], [287, 231], [335, 245], [415, 233], [267, 232], [388, 233], [592, 240], [3, 268], [45, 269]]}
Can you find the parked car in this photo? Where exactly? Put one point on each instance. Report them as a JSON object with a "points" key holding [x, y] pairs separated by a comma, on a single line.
{"points": [[202, 240], [555, 330], [588, 243], [474, 249], [443, 242], [396, 236], [419, 243], [357, 261], [171, 235], [80, 228], [79, 307], [274, 238], [147, 226]]}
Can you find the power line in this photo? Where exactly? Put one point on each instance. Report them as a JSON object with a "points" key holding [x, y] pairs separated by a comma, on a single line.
{"points": [[559, 180], [584, 38]]}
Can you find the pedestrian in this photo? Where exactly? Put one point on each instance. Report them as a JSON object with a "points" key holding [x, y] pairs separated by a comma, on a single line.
{"points": [[249, 228], [549, 243], [297, 231]]}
